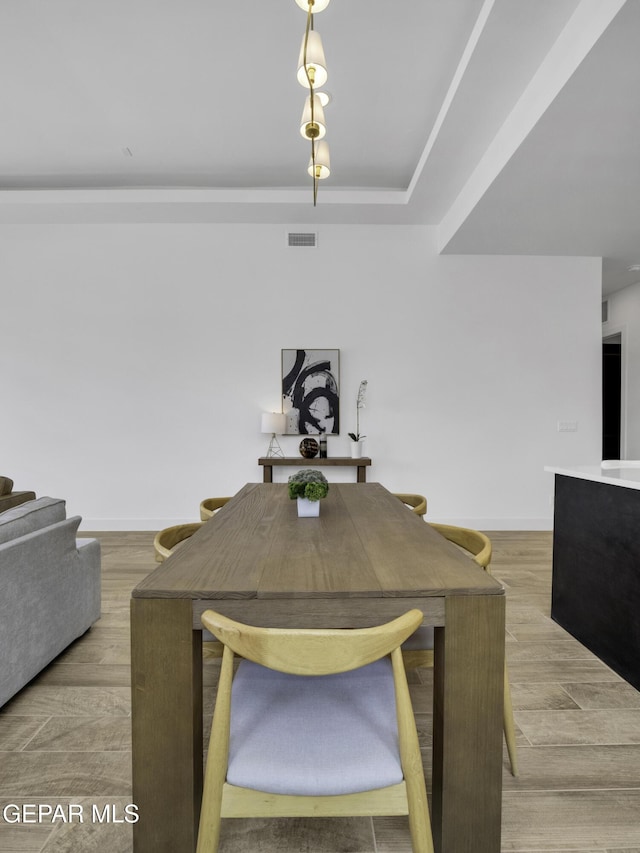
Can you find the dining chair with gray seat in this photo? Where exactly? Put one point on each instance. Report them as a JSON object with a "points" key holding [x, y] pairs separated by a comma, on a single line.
{"points": [[164, 543], [209, 506], [316, 722], [417, 503], [418, 649]]}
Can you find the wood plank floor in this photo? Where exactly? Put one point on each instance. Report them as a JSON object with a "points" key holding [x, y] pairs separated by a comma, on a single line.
{"points": [[65, 739]]}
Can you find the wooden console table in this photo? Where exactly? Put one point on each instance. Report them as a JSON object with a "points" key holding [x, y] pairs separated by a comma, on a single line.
{"points": [[293, 461]]}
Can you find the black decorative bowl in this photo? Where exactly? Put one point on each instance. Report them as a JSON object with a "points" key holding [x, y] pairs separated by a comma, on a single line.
{"points": [[309, 448]]}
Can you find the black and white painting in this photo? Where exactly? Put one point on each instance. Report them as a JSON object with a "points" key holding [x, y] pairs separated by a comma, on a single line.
{"points": [[311, 391]]}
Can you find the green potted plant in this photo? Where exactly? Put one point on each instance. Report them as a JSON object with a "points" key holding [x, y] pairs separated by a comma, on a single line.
{"points": [[356, 437], [308, 487]]}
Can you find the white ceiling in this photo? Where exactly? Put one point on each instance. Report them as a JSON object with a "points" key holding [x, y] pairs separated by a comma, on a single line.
{"points": [[512, 125]]}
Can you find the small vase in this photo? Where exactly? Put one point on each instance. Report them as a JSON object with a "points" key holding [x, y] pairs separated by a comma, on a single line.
{"points": [[356, 449], [307, 508], [309, 448]]}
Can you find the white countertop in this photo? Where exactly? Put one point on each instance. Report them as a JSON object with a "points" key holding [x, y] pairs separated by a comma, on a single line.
{"points": [[614, 472]]}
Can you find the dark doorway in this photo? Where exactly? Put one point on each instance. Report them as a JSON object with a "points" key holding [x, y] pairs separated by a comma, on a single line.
{"points": [[611, 398]]}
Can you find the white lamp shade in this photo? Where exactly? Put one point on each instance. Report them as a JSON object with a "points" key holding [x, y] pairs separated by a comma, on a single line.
{"points": [[318, 118], [317, 6], [274, 422], [315, 61], [323, 162]]}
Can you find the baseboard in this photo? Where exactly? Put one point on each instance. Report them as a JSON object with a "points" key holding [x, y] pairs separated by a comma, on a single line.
{"points": [[97, 525], [488, 524]]}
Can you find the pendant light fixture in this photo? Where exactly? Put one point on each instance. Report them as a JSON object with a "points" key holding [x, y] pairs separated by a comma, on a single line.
{"points": [[312, 124], [321, 168], [312, 73], [316, 64]]}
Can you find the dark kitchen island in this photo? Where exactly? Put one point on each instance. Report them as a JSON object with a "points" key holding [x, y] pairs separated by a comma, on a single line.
{"points": [[596, 561]]}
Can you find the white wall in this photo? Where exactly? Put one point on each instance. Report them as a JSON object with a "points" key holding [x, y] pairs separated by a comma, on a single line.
{"points": [[624, 317], [138, 359]]}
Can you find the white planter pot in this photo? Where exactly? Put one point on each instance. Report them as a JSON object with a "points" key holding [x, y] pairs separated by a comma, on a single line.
{"points": [[307, 508], [356, 449]]}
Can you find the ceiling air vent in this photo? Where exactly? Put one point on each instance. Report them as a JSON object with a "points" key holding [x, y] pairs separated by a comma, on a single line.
{"points": [[307, 239]]}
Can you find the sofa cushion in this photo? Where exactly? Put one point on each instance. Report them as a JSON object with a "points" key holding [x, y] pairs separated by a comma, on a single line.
{"points": [[31, 516], [6, 485]]}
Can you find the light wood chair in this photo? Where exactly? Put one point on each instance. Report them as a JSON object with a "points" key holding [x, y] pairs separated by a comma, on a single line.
{"points": [[209, 506], [164, 543], [418, 503], [166, 540], [315, 723], [418, 649]]}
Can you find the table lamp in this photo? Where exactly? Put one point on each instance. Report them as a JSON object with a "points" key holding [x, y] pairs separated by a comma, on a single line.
{"points": [[274, 422]]}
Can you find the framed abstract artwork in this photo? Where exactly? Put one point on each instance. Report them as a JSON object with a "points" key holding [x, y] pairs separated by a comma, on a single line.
{"points": [[311, 391]]}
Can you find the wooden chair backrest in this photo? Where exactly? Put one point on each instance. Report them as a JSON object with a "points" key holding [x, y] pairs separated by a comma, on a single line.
{"points": [[310, 651], [418, 503], [473, 541], [209, 505], [166, 540]]}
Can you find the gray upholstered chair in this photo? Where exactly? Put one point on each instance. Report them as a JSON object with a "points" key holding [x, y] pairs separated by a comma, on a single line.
{"points": [[315, 722]]}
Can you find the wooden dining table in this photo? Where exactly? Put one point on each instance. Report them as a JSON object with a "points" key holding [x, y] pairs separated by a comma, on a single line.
{"points": [[366, 559]]}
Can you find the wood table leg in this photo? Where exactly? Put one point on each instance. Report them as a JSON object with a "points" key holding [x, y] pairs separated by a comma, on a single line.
{"points": [[166, 687], [467, 725]]}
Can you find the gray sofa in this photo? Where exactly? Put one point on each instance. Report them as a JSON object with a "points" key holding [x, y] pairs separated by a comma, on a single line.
{"points": [[49, 588]]}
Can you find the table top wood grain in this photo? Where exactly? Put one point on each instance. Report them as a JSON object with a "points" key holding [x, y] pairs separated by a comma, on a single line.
{"points": [[365, 544]]}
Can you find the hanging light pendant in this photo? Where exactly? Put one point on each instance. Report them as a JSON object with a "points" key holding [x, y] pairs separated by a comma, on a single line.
{"points": [[316, 65], [312, 72], [320, 161], [312, 124]]}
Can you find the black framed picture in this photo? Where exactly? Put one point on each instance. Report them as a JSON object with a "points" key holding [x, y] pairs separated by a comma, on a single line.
{"points": [[311, 391]]}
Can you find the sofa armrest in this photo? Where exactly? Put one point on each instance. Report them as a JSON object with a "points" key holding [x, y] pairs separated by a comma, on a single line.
{"points": [[89, 552], [49, 596]]}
